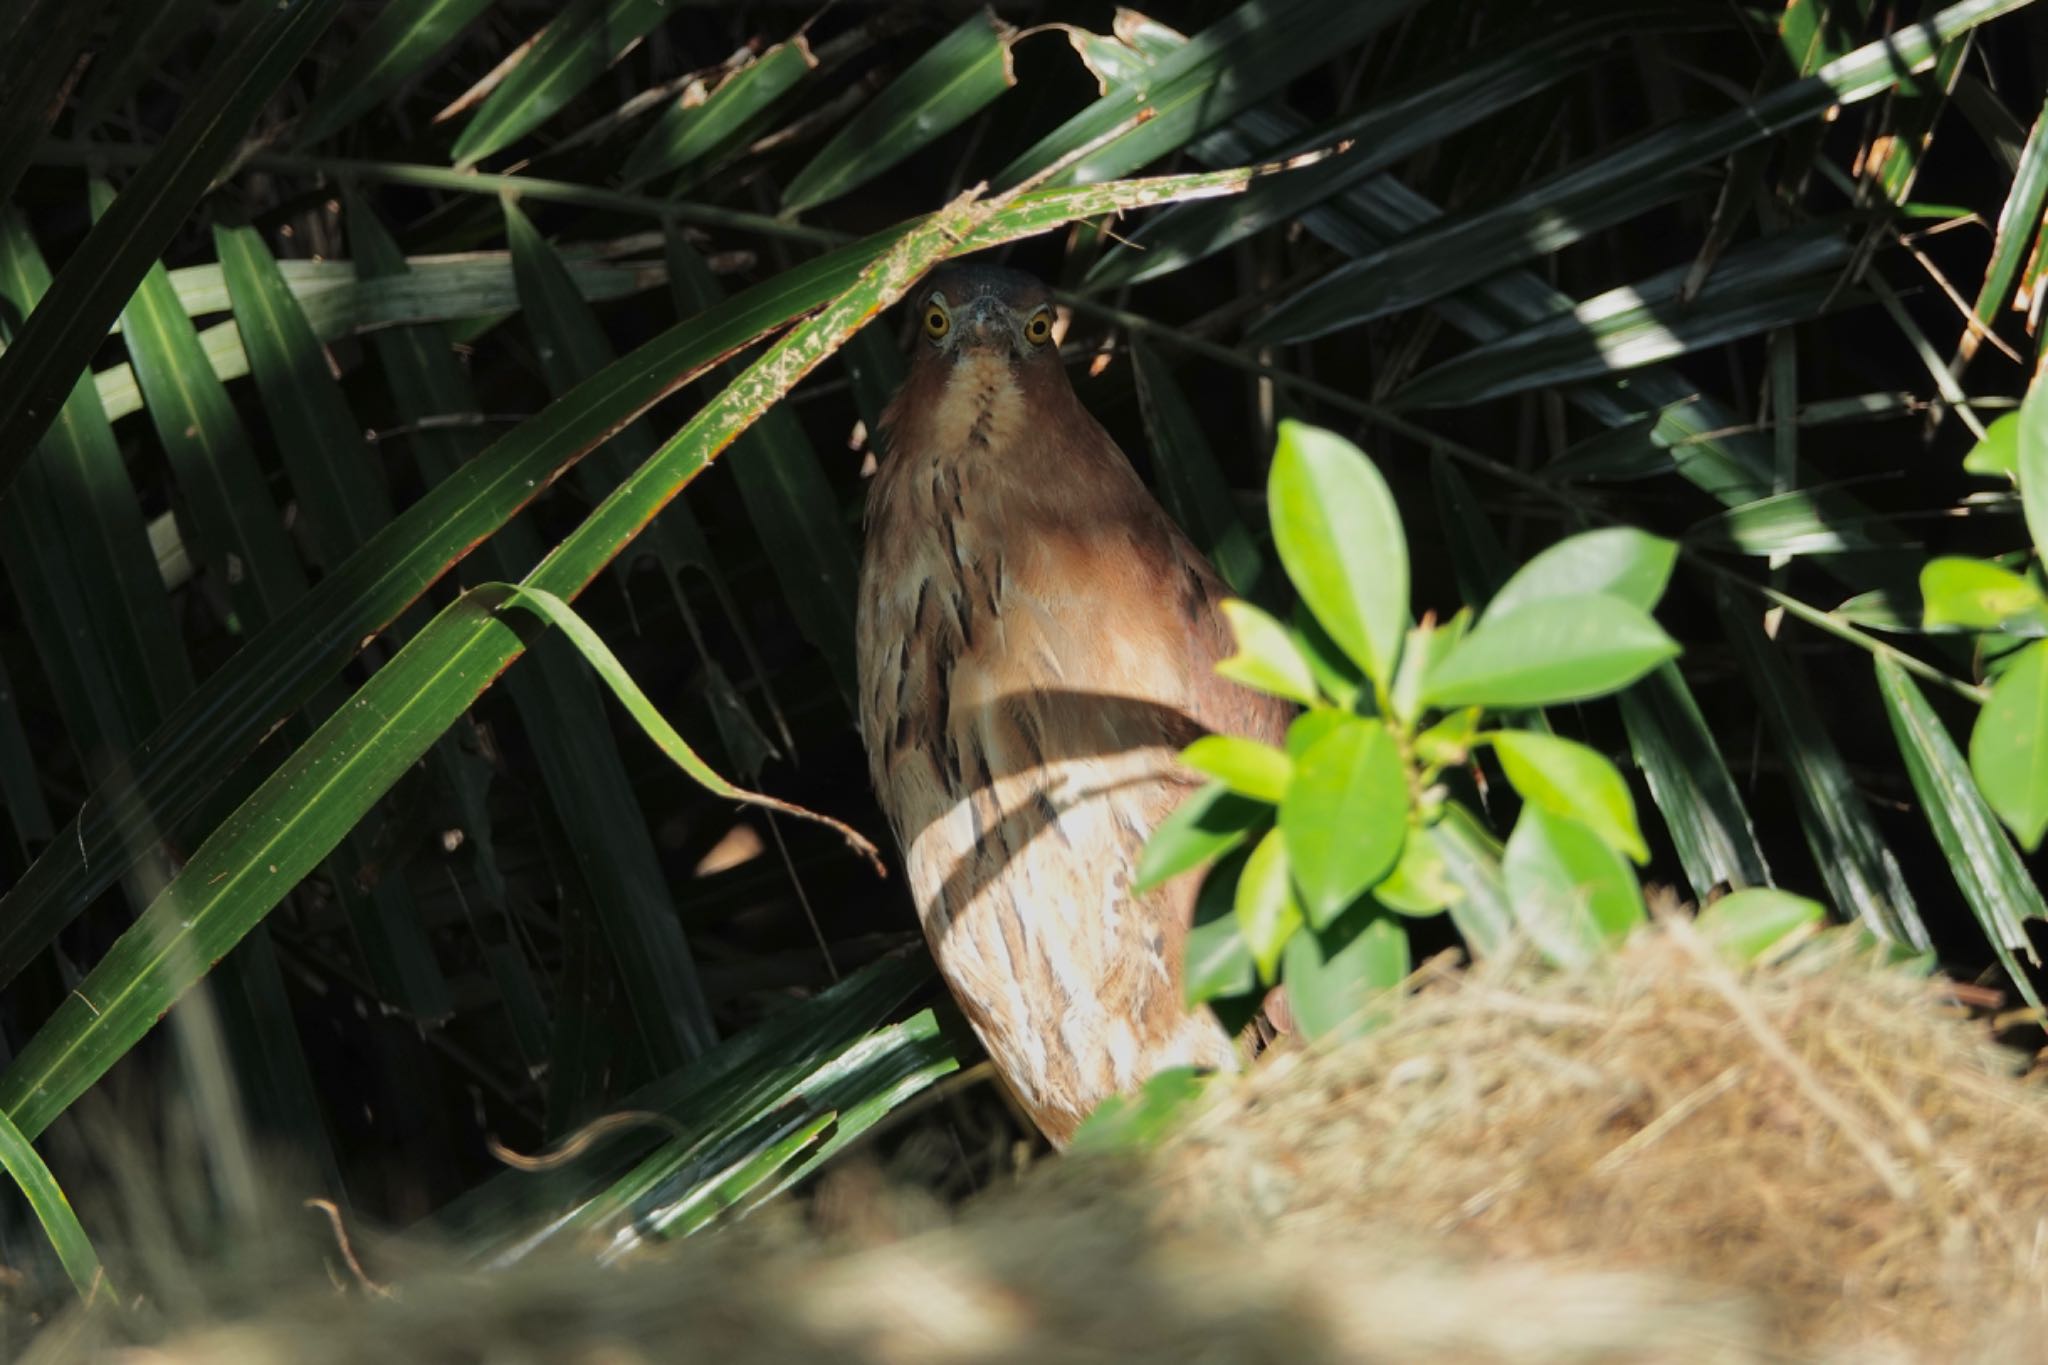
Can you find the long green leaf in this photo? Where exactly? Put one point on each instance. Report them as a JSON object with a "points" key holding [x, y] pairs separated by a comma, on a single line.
{"points": [[1990, 874], [959, 76], [1580, 200], [585, 37], [46, 1199], [1860, 870], [1250, 52], [399, 43], [690, 132], [61, 335], [1690, 783], [302, 809]]}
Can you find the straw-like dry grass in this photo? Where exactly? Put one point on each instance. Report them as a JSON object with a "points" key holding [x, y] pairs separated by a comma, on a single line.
{"points": [[1662, 1160]]}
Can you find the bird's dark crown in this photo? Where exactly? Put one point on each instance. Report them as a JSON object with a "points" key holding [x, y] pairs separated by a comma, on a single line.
{"points": [[1016, 290]]}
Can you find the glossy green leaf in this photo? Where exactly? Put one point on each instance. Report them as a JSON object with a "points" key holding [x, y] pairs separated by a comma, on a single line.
{"points": [[688, 133], [1345, 815], [1265, 908], [1189, 479], [1237, 61], [1340, 978], [1566, 778], [1267, 656], [59, 338], [1976, 594], [956, 78], [1997, 885], [1421, 882], [1999, 452], [398, 44], [46, 1200], [1483, 911], [584, 37], [1582, 199], [1689, 780], [1210, 822], [1618, 561], [2033, 461], [2009, 746], [1246, 766], [1794, 523], [1747, 925], [1573, 895], [1138, 1122], [1217, 962], [1339, 534], [1861, 872], [1551, 650], [1426, 647]]}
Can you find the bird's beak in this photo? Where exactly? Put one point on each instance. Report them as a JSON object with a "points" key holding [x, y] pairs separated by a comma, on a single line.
{"points": [[986, 323]]}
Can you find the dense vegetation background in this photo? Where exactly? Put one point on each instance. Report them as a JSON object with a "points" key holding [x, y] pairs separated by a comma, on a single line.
{"points": [[1756, 278]]}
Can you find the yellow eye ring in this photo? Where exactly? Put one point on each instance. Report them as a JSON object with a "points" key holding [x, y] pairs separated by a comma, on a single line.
{"points": [[1038, 331], [936, 323]]}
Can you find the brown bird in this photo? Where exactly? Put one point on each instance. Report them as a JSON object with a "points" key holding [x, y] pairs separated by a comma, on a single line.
{"points": [[1037, 641]]}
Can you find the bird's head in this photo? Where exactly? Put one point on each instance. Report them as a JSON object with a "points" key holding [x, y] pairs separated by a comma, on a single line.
{"points": [[985, 311]]}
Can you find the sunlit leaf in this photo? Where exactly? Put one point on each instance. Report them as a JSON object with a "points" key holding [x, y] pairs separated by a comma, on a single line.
{"points": [[1345, 815], [1976, 594], [1573, 895], [1619, 561], [1266, 910], [1246, 766], [2009, 746], [1566, 778], [1551, 650], [1748, 924], [1339, 534], [1339, 977], [1267, 656]]}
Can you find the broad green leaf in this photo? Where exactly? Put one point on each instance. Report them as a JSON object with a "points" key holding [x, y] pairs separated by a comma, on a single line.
{"points": [[1266, 911], [1616, 185], [955, 79], [1690, 783], [1862, 874], [1339, 534], [1450, 740], [1483, 910], [1566, 778], [1997, 885], [1551, 650], [583, 38], [1237, 61], [1211, 821], [1341, 680], [1426, 646], [1308, 727], [2033, 461], [46, 1200], [1267, 656], [1340, 978], [1189, 480], [1217, 963], [1618, 561], [2009, 746], [1137, 1122], [1345, 815], [1246, 766], [1748, 924], [1421, 882], [1573, 895], [399, 44], [1999, 452], [59, 338], [1975, 594], [690, 132]]}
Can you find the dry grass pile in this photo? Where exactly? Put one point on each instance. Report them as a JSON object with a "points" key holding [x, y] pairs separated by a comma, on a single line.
{"points": [[1828, 1136], [1663, 1160]]}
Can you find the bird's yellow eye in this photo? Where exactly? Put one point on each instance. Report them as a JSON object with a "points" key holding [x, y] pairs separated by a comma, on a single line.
{"points": [[1038, 331], [936, 323]]}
